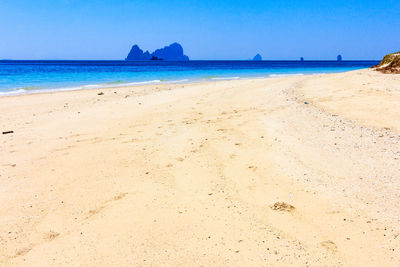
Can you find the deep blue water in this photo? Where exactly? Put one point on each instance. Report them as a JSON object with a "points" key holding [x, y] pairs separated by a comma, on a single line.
{"points": [[29, 76]]}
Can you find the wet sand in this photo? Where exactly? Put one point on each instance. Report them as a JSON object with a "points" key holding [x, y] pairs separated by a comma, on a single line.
{"points": [[290, 171]]}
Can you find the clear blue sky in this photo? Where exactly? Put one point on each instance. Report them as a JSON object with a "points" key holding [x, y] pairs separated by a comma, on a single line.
{"points": [[207, 29]]}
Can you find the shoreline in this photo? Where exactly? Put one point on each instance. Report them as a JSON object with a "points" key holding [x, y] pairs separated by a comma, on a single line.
{"points": [[107, 85], [92, 87], [292, 171], [22, 91]]}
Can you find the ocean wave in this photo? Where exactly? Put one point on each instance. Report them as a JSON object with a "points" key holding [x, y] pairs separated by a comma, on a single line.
{"points": [[141, 83], [179, 81], [14, 92], [37, 89], [115, 82], [29, 88]]}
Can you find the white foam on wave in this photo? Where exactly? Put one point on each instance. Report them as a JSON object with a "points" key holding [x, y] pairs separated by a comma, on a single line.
{"points": [[82, 87], [15, 92], [137, 83], [285, 75], [226, 78], [179, 81]]}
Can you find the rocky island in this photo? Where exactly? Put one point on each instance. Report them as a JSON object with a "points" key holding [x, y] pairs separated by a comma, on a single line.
{"points": [[389, 64], [173, 52], [257, 57]]}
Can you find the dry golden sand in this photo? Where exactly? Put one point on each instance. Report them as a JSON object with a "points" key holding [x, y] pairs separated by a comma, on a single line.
{"points": [[228, 173]]}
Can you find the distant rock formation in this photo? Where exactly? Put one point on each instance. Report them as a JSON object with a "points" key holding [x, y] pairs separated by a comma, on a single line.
{"points": [[389, 64], [137, 54], [339, 58], [257, 57], [173, 52], [302, 59]]}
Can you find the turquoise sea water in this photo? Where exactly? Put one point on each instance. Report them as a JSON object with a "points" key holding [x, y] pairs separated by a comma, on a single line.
{"points": [[17, 77]]}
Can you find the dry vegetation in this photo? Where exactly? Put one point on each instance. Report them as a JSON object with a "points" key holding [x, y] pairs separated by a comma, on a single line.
{"points": [[389, 64]]}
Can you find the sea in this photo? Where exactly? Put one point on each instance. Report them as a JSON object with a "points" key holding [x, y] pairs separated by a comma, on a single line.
{"points": [[32, 76]]}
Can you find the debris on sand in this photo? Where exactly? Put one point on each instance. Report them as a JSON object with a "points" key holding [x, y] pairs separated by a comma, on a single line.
{"points": [[282, 206]]}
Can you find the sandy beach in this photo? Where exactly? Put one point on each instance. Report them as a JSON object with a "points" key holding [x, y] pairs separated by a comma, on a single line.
{"points": [[286, 171]]}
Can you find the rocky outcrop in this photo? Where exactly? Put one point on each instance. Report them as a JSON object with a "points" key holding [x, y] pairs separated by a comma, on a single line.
{"points": [[173, 52], [389, 64], [339, 58], [257, 57], [137, 54]]}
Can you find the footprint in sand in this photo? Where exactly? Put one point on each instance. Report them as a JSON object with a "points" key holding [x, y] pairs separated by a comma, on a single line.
{"points": [[329, 245], [98, 209], [22, 252], [120, 196], [51, 235], [254, 168], [94, 211]]}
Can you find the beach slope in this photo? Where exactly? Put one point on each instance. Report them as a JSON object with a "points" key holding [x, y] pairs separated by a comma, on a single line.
{"points": [[289, 171]]}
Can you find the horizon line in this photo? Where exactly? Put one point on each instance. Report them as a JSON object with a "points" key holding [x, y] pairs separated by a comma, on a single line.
{"points": [[123, 60]]}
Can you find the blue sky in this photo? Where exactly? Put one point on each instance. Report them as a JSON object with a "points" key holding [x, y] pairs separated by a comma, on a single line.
{"points": [[226, 29]]}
